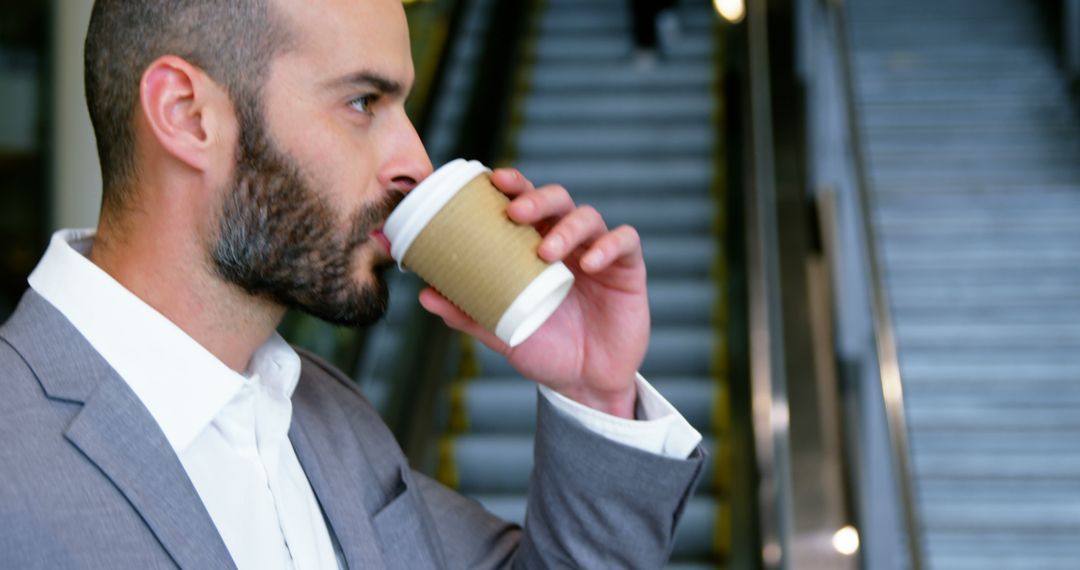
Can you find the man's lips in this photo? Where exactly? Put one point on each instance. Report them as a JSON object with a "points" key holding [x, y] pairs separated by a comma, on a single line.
{"points": [[378, 235]]}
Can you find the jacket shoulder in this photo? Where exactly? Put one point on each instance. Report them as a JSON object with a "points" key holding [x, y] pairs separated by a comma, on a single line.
{"points": [[18, 383], [314, 368], [323, 384]]}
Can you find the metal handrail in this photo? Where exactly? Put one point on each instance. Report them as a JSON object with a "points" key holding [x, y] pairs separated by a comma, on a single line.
{"points": [[1070, 32], [767, 366], [885, 338]]}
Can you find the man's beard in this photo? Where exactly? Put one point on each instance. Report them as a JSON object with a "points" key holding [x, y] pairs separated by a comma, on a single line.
{"points": [[281, 240]]}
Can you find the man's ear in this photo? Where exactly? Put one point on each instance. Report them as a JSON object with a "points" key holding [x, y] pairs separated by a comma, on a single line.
{"points": [[183, 108]]}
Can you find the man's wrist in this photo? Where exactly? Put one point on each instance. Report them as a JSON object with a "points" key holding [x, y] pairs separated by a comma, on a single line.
{"points": [[659, 428], [619, 403]]}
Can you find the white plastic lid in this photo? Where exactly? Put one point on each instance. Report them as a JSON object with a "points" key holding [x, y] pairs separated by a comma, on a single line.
{"points": [[535, 304], [421, 204]]}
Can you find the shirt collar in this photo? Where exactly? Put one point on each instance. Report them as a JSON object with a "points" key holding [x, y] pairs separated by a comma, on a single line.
{"points": [[182, 385]]}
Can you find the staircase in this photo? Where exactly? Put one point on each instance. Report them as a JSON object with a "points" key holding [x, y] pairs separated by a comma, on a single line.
{"points": [[638, 143], [973, 143]]}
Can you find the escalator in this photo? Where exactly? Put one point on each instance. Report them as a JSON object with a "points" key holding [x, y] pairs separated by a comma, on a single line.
{"points": [[972, 141], [639, 143], [966, 139]]}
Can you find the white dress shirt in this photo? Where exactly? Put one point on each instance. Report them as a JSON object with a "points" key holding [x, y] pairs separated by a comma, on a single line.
{"points": [[230, 430]]}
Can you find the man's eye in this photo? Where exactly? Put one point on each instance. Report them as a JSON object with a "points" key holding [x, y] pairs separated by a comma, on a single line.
{"points": [[363, 103]]}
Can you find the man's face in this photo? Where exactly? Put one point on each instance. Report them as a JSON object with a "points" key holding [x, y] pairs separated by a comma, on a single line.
{"points": [[322, 161]]}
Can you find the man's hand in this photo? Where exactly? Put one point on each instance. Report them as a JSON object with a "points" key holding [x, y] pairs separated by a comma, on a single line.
{"points": [[591, 348]]}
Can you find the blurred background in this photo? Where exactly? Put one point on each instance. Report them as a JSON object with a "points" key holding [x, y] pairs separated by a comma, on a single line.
{"points": [[860, 222]]}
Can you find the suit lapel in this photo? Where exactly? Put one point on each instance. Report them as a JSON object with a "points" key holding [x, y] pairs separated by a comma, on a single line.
{"points": [[116, 432], [319, 434]]}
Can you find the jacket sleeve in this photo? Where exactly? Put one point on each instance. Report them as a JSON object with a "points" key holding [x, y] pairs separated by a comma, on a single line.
{"points": [[592, 503]]}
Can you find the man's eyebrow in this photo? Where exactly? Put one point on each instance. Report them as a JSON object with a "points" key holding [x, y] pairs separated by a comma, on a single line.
{"points": [[382, 83]]}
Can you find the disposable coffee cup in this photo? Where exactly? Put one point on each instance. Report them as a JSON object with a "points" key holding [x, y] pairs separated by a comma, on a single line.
{"points": [[453, 231]]}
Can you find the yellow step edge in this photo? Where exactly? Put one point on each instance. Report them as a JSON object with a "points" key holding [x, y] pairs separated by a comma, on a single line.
{"points": [[446, 468], [721, 314]]}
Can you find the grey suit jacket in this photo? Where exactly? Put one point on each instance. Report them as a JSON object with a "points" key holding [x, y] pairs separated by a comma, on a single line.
{"points": [[88, 480]]}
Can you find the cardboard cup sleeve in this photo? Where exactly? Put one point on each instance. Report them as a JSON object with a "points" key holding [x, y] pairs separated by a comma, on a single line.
{"points": [[453, 231]]}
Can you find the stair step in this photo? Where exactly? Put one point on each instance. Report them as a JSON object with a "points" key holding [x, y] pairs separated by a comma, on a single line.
{"points": [[597, 20], [1003, 317], [930, 334], [1032, 517], [1024, 58], [1011, 466], [637, 141], [1028, 117], [608, 48], [507, 405], [988, 549], [676, 257], [679, 176], [683, 302], [1050, 441], [694, 537], [1018, 390], [656, 216], [1046, 201], [632, 107], [682, 351], [976, 374], [981, 415], [570, 76], [997, 489], [502, 463], [976, 255], [896, 223], [1014, 146]]}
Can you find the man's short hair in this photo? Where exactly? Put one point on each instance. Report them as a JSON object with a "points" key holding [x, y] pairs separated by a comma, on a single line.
{"points": [[233, 41]]}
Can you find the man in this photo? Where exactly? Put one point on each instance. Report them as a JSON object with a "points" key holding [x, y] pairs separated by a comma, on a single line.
{"points": [[151, 417]]}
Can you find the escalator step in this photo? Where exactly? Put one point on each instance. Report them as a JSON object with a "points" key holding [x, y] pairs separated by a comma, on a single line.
{"points": [[638, 145], [695, 537], [623, 177], [675, 303], [657, 139], [673, 351], [570, 76], [974, 140], [578, 48], [692, 173], [656, 216], [681, 257], [987, 370], [930, 332], [501, 464], [508, 405], [584, 108]]}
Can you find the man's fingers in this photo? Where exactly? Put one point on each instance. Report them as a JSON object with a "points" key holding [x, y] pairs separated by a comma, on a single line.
{"points": [[574, 227], [511, 182], [552, 201], [580, 227], [454, 318], [622, 245]]}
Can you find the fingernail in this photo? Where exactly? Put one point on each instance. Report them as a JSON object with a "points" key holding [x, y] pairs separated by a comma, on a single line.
{"points": [[525, 207]]}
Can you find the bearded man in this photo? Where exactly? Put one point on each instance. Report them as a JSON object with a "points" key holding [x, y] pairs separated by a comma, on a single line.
{"points": [[152, 418]]}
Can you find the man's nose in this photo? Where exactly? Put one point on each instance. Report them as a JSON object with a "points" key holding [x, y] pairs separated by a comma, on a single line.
{"points": [[408, 162]]}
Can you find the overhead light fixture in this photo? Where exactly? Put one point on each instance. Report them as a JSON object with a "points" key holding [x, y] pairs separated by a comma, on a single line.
{"points": [[731, 10]]}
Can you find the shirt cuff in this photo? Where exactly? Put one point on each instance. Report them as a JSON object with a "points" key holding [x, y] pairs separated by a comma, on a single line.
{"points": [[662, 430]]}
